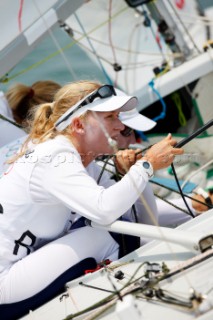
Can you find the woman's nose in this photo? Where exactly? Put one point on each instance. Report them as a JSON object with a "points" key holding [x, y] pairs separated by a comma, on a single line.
{"points": [[119, 125]]}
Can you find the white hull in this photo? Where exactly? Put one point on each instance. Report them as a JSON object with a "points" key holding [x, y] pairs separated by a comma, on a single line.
{"points": [[199, 278]]}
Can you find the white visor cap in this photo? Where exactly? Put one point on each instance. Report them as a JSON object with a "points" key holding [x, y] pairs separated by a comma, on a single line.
{"points": [[123, 102], [134, 119]]}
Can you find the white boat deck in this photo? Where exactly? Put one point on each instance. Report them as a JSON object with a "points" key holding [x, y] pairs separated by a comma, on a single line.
{"points": [[198, 278]]}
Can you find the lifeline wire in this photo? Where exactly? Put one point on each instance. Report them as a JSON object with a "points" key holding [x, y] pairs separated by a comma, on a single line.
{"points": [[119, 176]]}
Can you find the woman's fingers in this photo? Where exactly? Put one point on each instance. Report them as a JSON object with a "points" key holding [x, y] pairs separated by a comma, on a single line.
{"points": [[125, 159], [162, 154]]}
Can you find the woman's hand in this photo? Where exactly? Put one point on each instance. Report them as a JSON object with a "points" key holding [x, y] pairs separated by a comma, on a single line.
{"points": [[162, 154], [124, 159], [200, 207]]}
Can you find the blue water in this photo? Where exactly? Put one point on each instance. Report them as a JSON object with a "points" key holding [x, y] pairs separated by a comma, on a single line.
{"points": [[55, 68]]}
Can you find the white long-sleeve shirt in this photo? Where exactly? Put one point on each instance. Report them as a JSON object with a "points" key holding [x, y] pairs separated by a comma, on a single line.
{"points": [[42, 190], [8, 131]]}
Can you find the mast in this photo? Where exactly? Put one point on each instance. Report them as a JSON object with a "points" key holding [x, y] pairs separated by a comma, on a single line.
{"points": [[172, 29]]}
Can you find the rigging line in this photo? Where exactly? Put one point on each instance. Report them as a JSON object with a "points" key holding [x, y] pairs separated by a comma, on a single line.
{"points": [[184, 27], [173, 190], [181, 77], [186, 196], [174, 54], [195, 172], [171, 204], [164, 296], [129, 56], [110, 39], [106, 162], [181, 193], [128, 60], [202, 13], [194, 16], [63, 48], [38, 63], [185, 85], [144, 12], [10, 121], [119, 176], [20, 15], [93, 49], [35, 65], [106, 21], [98, 55], [94, 287], [139, 66], [108, 270], [55, 41], [132, 65], [124, 66], [140, 63], [167, 201], [110, 30], [202, 23], [50, 56], [117, 292], [112, 302], [109, 300], [98, 313]]}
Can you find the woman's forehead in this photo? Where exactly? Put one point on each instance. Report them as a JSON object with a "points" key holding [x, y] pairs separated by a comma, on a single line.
{"points": [[105, 113]]}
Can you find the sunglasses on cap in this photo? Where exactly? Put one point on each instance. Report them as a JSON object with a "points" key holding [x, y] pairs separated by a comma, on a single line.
{"points": [[103, 92], [127, 131]]}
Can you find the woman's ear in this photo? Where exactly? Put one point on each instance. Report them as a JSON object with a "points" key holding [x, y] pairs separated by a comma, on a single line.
{"points": [[78, 125]]}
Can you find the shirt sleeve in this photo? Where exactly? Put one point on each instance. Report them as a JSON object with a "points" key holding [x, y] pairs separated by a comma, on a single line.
{"points": [[71, 184]]}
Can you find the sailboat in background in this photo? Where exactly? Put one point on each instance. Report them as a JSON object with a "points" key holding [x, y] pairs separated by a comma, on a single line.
{"points": [[160, 51]]}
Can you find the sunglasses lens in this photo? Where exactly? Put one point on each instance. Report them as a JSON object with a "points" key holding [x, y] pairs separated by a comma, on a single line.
{"points": [[126, 132], [106, 91]]}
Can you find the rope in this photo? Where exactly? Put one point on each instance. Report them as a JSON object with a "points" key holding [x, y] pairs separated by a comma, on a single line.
{"points": [[93, 50], [163, 113], [10, 121], [177, 100]]}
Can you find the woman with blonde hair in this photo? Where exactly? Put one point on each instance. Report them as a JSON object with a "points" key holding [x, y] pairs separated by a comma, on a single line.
{"points": [[54, 176]]}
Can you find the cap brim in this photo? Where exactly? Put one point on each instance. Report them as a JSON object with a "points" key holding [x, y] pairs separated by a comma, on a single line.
{"points": [[124, 103], [136, 121]]}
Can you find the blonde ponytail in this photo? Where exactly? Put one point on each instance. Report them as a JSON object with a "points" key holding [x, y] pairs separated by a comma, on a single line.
{"points": [[43, 117]]}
